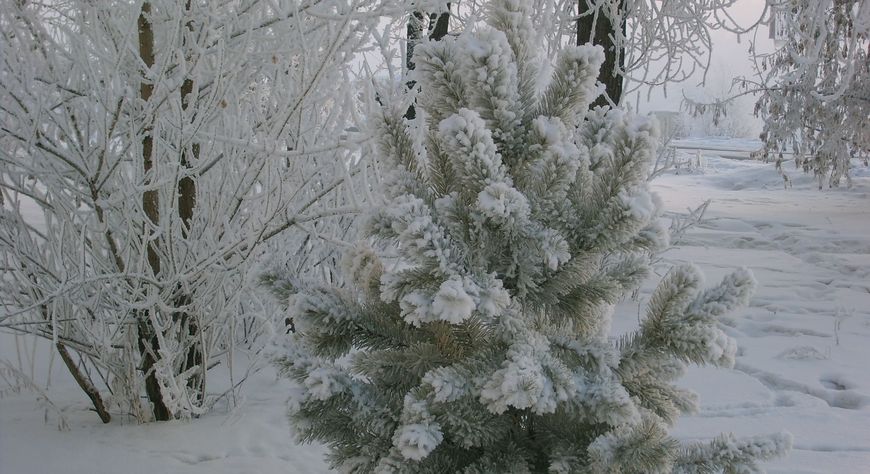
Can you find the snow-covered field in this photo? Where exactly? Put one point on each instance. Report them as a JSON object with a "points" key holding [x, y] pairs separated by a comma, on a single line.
{"points": [[804, 363], [805, 339]]}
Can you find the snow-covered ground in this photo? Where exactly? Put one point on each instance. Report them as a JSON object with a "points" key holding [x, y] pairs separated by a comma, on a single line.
{"points": [[804, 363], [805, 339]]}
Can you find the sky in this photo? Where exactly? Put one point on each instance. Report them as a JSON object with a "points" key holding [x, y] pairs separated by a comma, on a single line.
{"points": [[730, 58]]}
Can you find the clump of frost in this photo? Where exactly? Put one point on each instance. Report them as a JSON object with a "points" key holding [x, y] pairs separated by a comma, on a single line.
{"points": [[583, 54], [639, 204], [419, 434], [363, 266], [418, 440], [416, 307], [523, 382], [466, 136], [324, 382], [503, 203], [452, 303], [555, 248], [447, 384], [492, 299]]}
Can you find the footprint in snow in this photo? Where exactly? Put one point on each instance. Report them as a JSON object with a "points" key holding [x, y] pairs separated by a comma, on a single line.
{"points": [[802, 353], [836, 382]]}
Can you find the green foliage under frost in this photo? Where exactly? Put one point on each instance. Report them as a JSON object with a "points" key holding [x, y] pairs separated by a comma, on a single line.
{"points": [[474, 336]]}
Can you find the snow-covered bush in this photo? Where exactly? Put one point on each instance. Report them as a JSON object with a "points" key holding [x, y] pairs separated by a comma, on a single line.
{"points": [[149, 152], [816, 90], [475, 334]]}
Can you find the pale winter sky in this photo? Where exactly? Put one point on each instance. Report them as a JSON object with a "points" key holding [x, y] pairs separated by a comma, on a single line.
{"points": [[730, 59]]}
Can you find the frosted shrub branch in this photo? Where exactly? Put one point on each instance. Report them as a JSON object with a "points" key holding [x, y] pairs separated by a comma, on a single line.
{"points": [[151, 154]]}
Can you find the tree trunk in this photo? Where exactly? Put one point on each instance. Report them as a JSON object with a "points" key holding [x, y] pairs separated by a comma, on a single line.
{"points": [[82, 379], [438, 28], [186, 204], [438, 24], [599, 29], [149, 345], [85, 383], [187, 185], [148, 348], [150, 199]]}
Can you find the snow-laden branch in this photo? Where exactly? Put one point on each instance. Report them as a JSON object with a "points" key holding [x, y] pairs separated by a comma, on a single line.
{"points": [[151, 154]]}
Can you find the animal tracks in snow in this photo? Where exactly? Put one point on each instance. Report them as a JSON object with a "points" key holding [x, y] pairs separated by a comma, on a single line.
{"points": [[836, 397], [804, 342]]}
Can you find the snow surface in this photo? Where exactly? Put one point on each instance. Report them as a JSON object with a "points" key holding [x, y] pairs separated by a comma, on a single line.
{"points": [[802, 362], [804, 341]]}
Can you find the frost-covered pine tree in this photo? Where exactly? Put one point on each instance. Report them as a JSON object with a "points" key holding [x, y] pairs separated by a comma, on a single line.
{"points": [[473, 334]]}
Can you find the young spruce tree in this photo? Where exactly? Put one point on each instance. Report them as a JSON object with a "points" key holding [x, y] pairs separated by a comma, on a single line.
{"points": [[473, 334]]}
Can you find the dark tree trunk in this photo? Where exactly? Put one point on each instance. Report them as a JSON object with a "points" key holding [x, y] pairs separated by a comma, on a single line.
{"points": [[438, 28], [414, 34], [148, 348], [439, 24], [149, 345], [150, 200], [601, 31], [84, 383], [186, 205], [187, 184], [82, 378]]}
